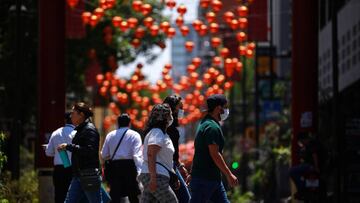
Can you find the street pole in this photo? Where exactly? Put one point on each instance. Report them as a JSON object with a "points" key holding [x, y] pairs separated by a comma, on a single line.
{"points": [[271, 51], [257, 110]]}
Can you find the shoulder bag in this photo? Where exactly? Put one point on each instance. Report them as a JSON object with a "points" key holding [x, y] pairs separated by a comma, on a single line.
{"points": [[173, 182]]}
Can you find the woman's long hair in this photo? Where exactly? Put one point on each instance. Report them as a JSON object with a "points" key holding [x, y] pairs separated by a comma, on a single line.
{"points": [[173, 101], [158, 118]]}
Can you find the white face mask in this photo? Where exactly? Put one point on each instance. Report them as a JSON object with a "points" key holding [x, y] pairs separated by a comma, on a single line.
{"points": [[224, 115], [170, 121], [180, 113]]}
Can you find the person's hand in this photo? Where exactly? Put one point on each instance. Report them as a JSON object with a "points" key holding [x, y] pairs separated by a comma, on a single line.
{"points": [[183, 171], [232, 180], [61, 147], [188, 179], [152, 185]]}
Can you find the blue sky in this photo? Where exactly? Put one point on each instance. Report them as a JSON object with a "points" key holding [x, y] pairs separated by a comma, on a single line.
{"points": [[153, 71]]}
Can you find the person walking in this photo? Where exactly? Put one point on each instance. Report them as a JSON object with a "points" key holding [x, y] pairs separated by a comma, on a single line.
{"points": [[208, 162], [86, 179], [158, 154], [176, 105], [61, 176], [123, 148]]}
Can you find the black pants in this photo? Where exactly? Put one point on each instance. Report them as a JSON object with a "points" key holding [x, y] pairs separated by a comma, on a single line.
{"points": [[61, 179], [123, 181]]}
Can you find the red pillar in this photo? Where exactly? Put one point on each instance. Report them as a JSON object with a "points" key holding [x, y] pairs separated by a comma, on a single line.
{"points": [[304, 69], [51, 80]]}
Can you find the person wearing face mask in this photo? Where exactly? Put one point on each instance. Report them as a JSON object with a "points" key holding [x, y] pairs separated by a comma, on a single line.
{"points": [[158, 154], [176, 106], [208, 162]]}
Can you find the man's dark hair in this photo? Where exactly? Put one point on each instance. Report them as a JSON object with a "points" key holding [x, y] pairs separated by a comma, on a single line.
{"points": [[215, 100], [84, 108], [67, 117], [123, 120], [173, 101]]}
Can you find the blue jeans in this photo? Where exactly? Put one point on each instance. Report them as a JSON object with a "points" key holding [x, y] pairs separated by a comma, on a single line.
{"points": [[75, 193], [183, 193], [203, 190], [297, 172]]}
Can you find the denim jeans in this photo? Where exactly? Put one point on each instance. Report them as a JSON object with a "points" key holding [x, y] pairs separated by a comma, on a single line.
{"points": [[182, 193], [297, 172], [75, 193], [203, 190]]}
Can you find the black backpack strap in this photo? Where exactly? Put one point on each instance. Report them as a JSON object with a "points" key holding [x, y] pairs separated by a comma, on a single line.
{"points": [[164, 167], [123, 135]]}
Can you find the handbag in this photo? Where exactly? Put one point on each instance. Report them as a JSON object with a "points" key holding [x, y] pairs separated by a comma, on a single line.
{"points": [[108, 168], [90, 179], [173, 182]]}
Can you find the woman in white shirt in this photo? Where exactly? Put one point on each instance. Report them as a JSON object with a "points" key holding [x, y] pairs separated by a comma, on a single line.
{"points": [[157, 148]]}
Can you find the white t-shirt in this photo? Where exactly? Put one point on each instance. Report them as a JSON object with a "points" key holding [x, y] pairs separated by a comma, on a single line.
{"points": [[164, 156]]}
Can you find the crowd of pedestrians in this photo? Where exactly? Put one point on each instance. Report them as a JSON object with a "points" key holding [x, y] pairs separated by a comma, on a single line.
{"points": [[148, 171]]}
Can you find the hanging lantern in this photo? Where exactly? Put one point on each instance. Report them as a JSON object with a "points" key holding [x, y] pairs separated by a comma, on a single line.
{"points": [[239, 66], [204, 3], [242, 50], [85, 16], [242, 11], [234, 24], [228, 16], [241, 36], [210, 17], [220, 79], [216, 60], [216, 5], [191, 68], [197, 24], [199, 85], [132, 22], [196, 61], [207, 78], [249, 53], [136, 5], [139, 32], [224, 52], [99, 78], [154, 30], [146, 9], [229, 67], [168, 66], [181, 9], [135, 42], [184, 30], [124, 26], [215, 42], [72, 3], [116, 20], [93, 20], [171, 32], [103, 91], [99, 12], [148, 22], [243, 23], [214, 28], [171, 4], [164, 26], [251, 46], [179, 21], [189, 45], [203, 30], [113, 90]]}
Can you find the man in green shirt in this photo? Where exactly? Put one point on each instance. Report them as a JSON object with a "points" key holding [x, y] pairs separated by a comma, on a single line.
{"points": [[208, 162]]}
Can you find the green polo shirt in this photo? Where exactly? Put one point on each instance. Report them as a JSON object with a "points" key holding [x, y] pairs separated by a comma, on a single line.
{"points": [[208, 132]]}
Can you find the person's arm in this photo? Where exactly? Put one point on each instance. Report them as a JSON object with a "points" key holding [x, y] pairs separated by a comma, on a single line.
{"points": [[91, 144], [151, 153], [220, 163], [50, 148], [105, 151], [137, 152]]}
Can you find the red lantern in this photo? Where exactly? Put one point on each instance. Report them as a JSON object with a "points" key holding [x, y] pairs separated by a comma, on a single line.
{"points": [[249, 53], [103, 91], [99, 78], [171, 32], [99, 12], [146, 9], [93, 20], [234, 24], [242, 50], [72, 3], [197, 24], [168, 66], [210, 16], [251, 46], [179, 21], [181, 9], [86, 17], [191, 68], [220, 79], [214, 28], [148, 22], [242, 11], [196, 61], [154, 30], [171, 4], [139, 32], [132, 22], [203, 30], [135, 42], [199, 84], [189, 45], [124, 26], [216, 60], [136, 5], [113, 90], [207, 78], [217, 5], [239, 66], [204, 3], [228, 16], [184, 30], [229, 67], [243, 23], [241, 36], [224, 52], [116, 20], [164, 26], [215, 42]]}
